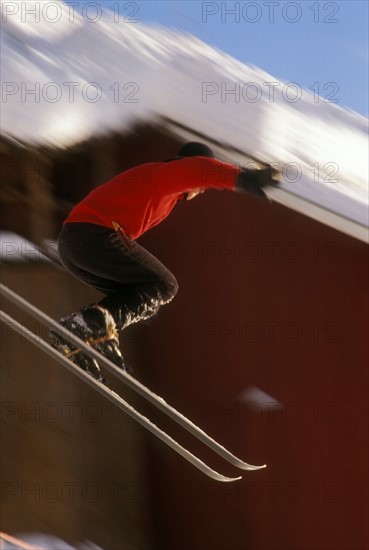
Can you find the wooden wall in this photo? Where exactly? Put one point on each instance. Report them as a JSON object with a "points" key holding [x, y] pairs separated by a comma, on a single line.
{"points": [[271, 300]]}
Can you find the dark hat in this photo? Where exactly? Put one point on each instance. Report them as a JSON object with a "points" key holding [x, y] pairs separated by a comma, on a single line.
{"points": [[195, 149]]}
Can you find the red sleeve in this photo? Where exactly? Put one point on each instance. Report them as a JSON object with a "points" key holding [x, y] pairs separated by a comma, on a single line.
{"points": [[187, 174]]}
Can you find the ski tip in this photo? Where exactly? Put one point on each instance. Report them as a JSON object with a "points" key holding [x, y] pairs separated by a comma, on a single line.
{"points": [[228, 479], [259, 467], [250, 467]]}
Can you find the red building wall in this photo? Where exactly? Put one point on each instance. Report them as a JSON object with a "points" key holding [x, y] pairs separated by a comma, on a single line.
{"points": [[268, 299], [274, 300]]}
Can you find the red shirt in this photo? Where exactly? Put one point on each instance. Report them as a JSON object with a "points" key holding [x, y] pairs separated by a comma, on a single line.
{"points": [[142, 197]]}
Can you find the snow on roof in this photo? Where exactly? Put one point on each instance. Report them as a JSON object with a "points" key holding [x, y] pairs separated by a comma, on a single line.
{"points": [[313, 198], [17, 249], [141, 71]]}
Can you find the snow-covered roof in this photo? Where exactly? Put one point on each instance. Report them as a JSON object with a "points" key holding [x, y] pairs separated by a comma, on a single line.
{"points": [[17, 249], [92, 78], [315, 199]]}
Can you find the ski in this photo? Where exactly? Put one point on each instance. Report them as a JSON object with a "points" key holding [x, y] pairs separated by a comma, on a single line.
{"points": [[125, 377], [114, 398]]}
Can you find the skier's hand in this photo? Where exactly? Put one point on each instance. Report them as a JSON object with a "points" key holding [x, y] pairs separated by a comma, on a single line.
{"points": [[253, 180]]}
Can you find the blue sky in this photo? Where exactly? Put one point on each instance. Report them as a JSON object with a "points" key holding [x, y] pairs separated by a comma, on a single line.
{"points": [[318, 44]]}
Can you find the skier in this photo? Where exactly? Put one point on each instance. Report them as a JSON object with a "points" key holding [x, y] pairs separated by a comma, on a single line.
{"points": [[98, 244]]}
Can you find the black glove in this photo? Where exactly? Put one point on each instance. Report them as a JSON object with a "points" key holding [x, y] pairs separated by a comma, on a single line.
{"points": [[252, 180]]}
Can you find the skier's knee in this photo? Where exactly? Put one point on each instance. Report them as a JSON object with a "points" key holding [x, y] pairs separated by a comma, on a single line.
{"points": [[169, 290]]}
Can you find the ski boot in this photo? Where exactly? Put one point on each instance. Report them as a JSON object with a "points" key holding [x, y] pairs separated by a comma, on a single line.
{"points": [[95, 326]]}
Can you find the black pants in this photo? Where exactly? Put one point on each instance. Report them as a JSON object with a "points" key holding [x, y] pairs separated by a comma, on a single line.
{"points": [[134, 282]]}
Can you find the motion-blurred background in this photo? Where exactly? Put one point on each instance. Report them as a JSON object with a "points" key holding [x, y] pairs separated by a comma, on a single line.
{"points": [[265, 346]]}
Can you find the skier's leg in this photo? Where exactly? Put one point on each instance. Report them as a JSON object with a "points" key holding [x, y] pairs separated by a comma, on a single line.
{"points": [[150, 285], [135, 283]]}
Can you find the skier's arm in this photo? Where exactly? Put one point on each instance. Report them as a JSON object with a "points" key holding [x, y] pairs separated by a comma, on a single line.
{"points": [[188, 174]]}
